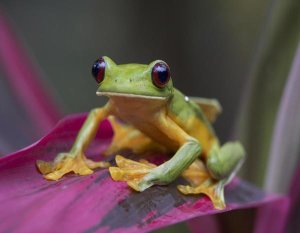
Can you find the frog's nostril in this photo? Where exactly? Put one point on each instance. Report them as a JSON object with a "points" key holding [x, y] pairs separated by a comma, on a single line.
{"points": [[130, 80]]}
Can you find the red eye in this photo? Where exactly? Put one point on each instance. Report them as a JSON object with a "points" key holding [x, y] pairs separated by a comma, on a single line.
{"points": [[160, 74], [98, 70]]}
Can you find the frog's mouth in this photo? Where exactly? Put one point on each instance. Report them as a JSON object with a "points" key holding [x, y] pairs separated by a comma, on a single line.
{"points": [[118, 94]]}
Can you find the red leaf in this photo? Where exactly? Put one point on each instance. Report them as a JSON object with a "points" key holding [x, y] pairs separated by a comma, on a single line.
{"points": [[95, 203]]}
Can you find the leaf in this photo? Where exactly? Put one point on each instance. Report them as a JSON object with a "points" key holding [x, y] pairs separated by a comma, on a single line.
{"points": [[95, 203], [294, 212]]}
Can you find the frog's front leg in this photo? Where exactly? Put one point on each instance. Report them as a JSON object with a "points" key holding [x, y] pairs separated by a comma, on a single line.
{"points": [[189, 150], [221, 165], [75, 160], [170, 170]]}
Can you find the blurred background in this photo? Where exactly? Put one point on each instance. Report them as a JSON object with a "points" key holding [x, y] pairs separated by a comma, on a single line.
{"points": [[208, 45], [240, 52]]}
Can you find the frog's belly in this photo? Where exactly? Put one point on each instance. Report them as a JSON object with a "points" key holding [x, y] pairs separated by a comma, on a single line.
{"points": [[193, 127], [152, 131], [141, 114]]}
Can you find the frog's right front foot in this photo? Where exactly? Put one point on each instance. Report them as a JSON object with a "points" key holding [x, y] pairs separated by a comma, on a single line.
{"points": [[67, 162]]}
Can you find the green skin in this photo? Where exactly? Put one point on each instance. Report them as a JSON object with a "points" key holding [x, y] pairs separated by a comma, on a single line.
{"points": [[161, 114]]}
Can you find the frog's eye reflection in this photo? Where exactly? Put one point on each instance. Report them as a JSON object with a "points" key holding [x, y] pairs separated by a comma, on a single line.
{"points": [[98, 70], [160, 74]]}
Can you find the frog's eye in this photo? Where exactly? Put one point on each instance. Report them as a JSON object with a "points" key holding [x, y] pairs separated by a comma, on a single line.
{"points": [[160, 74], [98, 70]]}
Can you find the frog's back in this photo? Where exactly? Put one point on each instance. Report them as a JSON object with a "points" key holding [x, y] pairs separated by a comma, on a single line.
{"points": [[190, 117]]}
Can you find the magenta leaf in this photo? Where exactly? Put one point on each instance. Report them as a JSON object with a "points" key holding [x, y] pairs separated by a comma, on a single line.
{"points": [[95, 203], [294, 211]]}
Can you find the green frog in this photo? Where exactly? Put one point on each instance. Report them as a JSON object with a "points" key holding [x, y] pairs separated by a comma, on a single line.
{"points": [[148, 114]]}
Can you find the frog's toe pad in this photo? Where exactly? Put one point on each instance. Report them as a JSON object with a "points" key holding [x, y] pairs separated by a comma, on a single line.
{"points": [[132, 172], [215, 192], [44, 167]]}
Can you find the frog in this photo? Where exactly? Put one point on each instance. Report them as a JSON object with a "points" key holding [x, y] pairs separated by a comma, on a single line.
{"points": [[148, 113]]}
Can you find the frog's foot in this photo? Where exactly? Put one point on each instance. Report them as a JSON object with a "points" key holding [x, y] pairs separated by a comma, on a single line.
{"points": [[211, 188], [65, 163], [131, 171], [202, 183]]}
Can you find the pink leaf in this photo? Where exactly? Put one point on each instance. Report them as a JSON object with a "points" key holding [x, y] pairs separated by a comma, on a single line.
{"points": [[95, 203]]}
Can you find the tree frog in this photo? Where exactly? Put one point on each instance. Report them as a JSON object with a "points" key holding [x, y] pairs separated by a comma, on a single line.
{"points": [[157, 117]]}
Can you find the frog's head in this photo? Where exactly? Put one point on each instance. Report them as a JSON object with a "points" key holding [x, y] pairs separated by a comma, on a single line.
{"points": [[151, 81]]}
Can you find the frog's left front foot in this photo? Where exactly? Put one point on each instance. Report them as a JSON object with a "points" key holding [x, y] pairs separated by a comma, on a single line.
{"points": [[138, 175]]}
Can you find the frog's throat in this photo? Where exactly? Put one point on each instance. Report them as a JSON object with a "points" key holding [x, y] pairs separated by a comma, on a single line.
{"points": [[106, 93]]}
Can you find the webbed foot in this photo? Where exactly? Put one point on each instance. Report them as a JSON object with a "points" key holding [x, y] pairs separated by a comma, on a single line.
{"points": [[202, 183], [132, 172], [67, 162], [213, 189]]}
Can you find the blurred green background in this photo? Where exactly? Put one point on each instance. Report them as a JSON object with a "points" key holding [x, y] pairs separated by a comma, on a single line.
{"points": [[208, 45]]}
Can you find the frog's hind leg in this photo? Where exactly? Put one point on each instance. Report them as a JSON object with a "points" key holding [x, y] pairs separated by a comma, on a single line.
{"points": [[127, 137], [222, 164], [201, 183]]}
